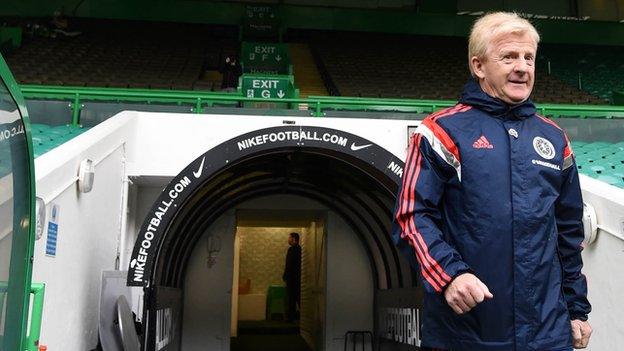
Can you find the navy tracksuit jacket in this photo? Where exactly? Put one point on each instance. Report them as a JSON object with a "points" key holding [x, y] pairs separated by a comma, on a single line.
{"points": [[493, 189]]}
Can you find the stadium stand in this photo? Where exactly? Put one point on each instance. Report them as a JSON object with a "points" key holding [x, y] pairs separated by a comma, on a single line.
{"points": [[307, 75], [124, 54], [378, 65], [597, 69], [127, 54]]}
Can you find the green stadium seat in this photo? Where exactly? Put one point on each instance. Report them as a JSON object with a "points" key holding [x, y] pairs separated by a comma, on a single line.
{"points": [[593, 156], [65, 129], [39, 128], [609, 179], [600, 145], [39, 139], [598, 169], [615, 158]]}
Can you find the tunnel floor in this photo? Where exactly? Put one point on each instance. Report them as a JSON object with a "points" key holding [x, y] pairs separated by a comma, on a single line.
{"points": [[269, 336]]}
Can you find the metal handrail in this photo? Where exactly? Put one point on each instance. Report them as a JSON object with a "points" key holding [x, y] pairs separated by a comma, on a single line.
{"points": [[317, 103]]}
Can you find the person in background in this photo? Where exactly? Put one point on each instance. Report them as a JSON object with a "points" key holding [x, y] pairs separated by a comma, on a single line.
{"points": [[231, 71], [490, 207], [292, 277]]}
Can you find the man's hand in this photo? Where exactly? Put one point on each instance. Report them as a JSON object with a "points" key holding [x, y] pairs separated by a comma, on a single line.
{"points": [[581, 331], [465, 292]]}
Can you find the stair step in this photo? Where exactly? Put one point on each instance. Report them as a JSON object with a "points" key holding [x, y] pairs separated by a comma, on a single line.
{"points": [[307, 76]]}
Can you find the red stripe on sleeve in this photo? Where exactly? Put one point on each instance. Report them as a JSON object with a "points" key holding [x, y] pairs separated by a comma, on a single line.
{"points": [[430, 268], [444, 138], [403, 217]]}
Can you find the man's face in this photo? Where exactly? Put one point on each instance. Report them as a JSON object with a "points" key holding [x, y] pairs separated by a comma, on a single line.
{"points": [[508, 70], [291, 240]]}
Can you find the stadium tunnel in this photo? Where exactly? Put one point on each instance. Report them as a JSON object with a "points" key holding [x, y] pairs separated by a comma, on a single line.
{"points": [[353, 177]]}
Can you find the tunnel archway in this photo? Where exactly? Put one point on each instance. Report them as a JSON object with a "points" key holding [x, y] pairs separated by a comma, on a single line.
{"points": [[355, 177]]}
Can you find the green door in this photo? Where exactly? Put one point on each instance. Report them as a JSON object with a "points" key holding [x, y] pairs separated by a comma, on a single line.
{"points": [[16, 212]]}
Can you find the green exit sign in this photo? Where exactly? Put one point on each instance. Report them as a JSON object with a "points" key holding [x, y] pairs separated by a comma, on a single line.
{"points": [[260, 12], [265, 53], [267, 87]]}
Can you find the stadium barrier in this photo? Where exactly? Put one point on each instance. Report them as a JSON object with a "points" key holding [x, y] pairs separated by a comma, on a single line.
{"points": [[315, 105]]}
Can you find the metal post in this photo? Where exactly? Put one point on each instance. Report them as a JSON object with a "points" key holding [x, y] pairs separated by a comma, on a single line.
{"points": [[319, 113], [76, 110], [580, 83], [549, 71], [38, 292], [198, 107]]}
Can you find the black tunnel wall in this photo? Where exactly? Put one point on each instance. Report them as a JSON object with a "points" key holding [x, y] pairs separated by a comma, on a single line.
{"points": [[365, 204]]}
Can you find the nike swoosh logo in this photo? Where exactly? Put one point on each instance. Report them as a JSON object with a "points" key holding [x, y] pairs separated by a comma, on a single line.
{"points": [[199, 171], [359, 147]]}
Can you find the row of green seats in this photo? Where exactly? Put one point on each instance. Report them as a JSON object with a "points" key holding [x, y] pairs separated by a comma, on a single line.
{"points": [[46, 137], [601, 160]]}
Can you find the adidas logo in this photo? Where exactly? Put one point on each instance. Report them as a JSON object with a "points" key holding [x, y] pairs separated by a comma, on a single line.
{"points": [[482, 143]]}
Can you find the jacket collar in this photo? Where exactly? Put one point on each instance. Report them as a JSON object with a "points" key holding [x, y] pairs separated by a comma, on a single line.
{"points": [[475, 96]]}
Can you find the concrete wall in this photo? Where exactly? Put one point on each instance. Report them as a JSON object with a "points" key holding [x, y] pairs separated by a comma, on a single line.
{"points": [[603, 263], [350, 296], [207, 291], [262, 256], [312, 319], [88, 233], [603, 268]]}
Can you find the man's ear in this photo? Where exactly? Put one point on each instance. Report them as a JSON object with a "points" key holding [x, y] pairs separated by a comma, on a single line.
{"points": [[477, 67]]}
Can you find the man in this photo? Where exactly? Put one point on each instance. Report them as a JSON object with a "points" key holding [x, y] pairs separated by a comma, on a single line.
{"points": [[292, 276], [231, 71], [491, 208]]}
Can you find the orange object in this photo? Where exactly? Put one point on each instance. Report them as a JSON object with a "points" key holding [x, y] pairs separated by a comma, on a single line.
{"points": [[43, 348], [244, 286]]}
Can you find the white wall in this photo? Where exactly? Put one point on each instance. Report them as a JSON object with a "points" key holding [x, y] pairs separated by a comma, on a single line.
{"points": [[603, 268], [165, 143], [207, 291], [88, 233], [603, 265], [350, 295], [312, 259]]}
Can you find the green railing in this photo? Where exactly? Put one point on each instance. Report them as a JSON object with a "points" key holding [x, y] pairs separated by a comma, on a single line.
{"points": [[38, 292], [76, 96]]}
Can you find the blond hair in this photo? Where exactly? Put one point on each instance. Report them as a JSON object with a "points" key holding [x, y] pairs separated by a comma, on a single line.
{"points": [[492, 26]]}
